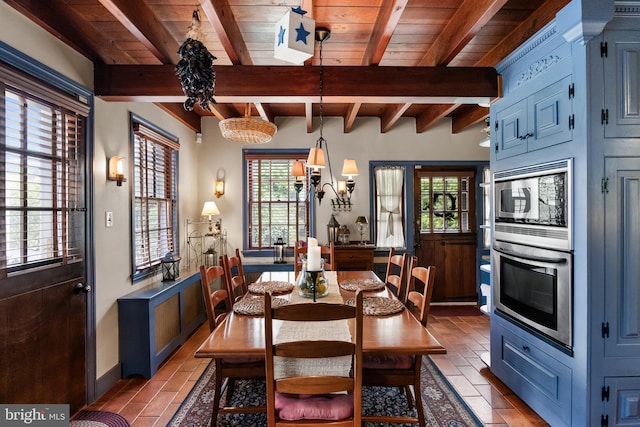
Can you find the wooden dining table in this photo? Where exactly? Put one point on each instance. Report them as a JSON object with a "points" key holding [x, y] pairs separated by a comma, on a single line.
{"points": [[399, 333]]}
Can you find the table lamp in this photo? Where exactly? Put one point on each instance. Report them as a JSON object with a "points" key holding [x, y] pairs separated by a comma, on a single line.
{"points": [[210, 209], [361, 222]]}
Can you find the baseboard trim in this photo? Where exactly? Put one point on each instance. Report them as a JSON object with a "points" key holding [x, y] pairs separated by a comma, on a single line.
{"points": [[108, 380]]}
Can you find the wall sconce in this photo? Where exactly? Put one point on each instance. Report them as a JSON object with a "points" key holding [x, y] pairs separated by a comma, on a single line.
{"points": [[116, 170], [219, 188], [342, 187]]}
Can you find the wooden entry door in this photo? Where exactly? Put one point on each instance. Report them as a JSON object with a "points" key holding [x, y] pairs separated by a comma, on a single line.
{"points": [[445, 230], [43, 257]]}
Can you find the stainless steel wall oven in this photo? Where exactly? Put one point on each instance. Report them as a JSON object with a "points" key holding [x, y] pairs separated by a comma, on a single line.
{"points": [[532, 249], [534, 286]]}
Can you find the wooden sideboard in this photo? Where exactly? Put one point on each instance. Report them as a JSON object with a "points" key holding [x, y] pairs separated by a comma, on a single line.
{"points": [[354, 257]]}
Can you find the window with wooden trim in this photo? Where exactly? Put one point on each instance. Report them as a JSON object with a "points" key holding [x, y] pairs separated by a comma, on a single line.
{"points": [[155, 196], [274, 207], [42, 202]]}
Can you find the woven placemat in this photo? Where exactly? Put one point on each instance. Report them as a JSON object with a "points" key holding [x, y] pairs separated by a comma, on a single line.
{"points": [[273, 286], [362, 285], [255, 306], [378, 306]]}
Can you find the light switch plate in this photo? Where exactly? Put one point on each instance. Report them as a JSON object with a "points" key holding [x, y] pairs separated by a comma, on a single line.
{"points": [[108, 219]]}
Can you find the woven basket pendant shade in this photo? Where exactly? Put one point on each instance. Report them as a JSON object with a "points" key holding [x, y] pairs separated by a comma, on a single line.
{"points": [[247, 129]]}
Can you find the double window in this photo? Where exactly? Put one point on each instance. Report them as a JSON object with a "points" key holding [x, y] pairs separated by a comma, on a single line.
{"points": [[275, 209], [155, 196]]}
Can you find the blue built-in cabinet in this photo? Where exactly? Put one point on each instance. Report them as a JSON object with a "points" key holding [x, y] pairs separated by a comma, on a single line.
{"points": [[156, 320], [573, 91]]}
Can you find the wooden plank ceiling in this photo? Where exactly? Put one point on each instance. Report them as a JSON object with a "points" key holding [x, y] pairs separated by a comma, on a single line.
{"points": [[425, 59]]}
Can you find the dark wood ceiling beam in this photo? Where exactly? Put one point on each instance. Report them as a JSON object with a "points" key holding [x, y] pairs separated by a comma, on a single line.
{"points": [[350, 116], [223, 111], [432, 115], [308, 114], [539, 18], [386, 23], [264, 111], [391, 115], [140, 20], [187, 118], [286, 84], [527, 28], [66, 24], [221, 18], [465, 23], [467, 117]]}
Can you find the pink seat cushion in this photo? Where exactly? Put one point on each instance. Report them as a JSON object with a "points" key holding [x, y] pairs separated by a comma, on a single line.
{"points": [[386, 361], [313, 407]]}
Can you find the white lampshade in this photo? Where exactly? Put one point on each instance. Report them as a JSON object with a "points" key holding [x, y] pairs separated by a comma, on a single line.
{"points": [[316, 158], [349, 168], [209, 209]]}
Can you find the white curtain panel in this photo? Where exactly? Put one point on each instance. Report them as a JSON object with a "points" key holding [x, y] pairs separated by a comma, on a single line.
{"points": [[389, 218]]}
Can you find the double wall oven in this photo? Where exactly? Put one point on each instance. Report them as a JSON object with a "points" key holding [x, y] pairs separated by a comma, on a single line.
{"points": [[533, 249]]}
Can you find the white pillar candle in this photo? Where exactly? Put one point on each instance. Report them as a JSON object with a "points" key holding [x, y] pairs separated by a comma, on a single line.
{"points": [[312, 242], [313, 258]]}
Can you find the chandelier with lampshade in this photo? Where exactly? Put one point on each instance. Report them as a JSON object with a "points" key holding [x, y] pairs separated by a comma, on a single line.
{"points": [[319, 159]]}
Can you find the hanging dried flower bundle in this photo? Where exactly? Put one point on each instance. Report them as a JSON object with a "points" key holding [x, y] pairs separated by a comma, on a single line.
{"points": [[195, 68]]}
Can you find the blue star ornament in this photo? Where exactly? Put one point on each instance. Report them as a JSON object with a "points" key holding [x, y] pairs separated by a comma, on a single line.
{"points": [[281, 35], [298, 10], [302, 34]]}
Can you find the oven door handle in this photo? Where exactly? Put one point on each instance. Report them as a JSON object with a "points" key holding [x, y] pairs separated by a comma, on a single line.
{"points": [[530, 257]]}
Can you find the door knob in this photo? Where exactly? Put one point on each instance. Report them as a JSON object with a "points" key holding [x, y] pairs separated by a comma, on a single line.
{"points": [[81, 287]]}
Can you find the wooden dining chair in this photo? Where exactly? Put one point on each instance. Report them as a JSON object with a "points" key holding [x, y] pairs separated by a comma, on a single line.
{"points": [[309, 398], [213, 299], [229, 369], [419, 290], [236, 284], [401, 371], [395, 279], [326, 252]]}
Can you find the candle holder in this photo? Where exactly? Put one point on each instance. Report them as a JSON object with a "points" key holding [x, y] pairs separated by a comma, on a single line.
{"points": [[312, 284]]}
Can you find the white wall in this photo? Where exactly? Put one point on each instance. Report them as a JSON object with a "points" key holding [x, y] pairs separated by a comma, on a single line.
{"points": [[113, 247], [365, 143]]}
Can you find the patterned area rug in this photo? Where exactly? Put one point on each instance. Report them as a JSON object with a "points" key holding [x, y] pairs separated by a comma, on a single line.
{"points": [[443, 407], [98, 419]]}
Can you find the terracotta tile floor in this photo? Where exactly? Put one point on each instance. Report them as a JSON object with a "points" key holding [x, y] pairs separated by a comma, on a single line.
{"points": [[153, 402]]}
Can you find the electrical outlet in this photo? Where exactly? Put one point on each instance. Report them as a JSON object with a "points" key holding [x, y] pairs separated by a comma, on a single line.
{"points": [[108, 219]]}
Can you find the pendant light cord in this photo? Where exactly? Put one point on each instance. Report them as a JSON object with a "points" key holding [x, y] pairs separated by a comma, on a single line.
{"points": [[321, 140]]}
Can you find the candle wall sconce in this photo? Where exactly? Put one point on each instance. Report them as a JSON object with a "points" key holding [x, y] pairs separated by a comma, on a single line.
{"points": [[116, 170]]}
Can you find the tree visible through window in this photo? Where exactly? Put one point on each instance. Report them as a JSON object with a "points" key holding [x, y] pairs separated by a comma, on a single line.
{"points": [[155, 201], [275, 209]]}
